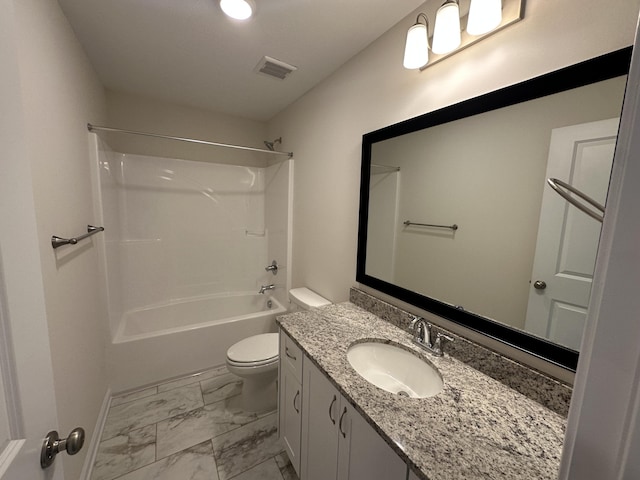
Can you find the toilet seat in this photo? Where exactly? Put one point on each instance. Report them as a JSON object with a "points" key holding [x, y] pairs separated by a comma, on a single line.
{"points": [[255, 351]]}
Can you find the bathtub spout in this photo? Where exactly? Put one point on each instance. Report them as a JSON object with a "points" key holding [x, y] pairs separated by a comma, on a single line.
{"points": [[264, 288]]}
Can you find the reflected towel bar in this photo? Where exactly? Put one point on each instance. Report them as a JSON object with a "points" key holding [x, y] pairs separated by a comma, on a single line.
{"points": [[556, 184], [58, 241], [452, 227]]}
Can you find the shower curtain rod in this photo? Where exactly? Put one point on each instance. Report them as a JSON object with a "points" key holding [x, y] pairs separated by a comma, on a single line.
{"points": [[93, 128]]}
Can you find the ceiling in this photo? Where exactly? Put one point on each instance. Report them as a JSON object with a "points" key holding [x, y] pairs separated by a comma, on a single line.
{"points": [[189, 52]]}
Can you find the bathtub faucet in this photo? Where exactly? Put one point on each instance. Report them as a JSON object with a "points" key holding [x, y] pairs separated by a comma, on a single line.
{"points": [[264, 288]]}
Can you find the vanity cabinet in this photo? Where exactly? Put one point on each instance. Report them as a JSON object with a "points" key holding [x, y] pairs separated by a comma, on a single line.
{"points": [[323, 435], [337, 442], [290, 399]]}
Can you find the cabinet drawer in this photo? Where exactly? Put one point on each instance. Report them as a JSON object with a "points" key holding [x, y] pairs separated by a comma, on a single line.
{"points": [[291, 355]]}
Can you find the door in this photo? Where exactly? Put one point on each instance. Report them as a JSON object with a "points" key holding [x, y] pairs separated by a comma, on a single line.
{"points": [[27, 401], [580, 155]]}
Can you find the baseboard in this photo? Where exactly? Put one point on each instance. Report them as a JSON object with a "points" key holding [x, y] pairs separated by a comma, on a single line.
{"points": [[90, 459]]}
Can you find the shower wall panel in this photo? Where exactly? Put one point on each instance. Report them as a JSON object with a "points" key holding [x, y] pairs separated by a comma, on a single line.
{"points": [[179, 229]]}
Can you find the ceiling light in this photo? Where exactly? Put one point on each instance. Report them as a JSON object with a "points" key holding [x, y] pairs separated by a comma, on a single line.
{"points": [[484, 16], [446, 32], [237, 9], [416, 50]]}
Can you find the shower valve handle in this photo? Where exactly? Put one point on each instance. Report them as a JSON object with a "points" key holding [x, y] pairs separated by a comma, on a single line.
{"points": [[273, 268]]}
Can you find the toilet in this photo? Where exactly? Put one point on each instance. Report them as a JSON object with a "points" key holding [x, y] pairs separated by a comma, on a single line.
{"points": [[255, 358]]}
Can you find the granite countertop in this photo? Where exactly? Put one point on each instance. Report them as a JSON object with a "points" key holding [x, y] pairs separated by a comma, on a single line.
{"points": [[476, 428]]}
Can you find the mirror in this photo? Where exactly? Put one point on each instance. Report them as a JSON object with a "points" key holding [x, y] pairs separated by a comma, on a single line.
{"points": [[456, 217]]}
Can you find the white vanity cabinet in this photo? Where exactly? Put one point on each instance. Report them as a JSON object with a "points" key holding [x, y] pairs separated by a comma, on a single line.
{"points": [[290, 399], [337, 443]]}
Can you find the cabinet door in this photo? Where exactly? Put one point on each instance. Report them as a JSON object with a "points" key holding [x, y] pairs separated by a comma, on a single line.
{"points": [[290, 405], [363, 454], [290, 417], [319, 425]]}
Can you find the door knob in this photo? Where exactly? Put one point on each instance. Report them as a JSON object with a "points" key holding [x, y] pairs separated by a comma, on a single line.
{"points": [[539, 285], [53, 445]]}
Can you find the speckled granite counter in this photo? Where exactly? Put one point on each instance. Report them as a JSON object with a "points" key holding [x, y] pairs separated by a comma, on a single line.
{"points": [[476, 428]]}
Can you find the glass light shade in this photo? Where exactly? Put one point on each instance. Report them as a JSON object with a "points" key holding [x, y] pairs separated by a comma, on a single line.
{"points": [[416, 50], [238, 9], [446, 32], [484, 16]]}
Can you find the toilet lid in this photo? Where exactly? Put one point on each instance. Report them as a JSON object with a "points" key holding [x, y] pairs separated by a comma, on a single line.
{"points": [[257, 348]]}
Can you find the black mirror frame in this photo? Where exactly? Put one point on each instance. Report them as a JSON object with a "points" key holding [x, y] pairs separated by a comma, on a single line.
{"points": [[604, 67]]}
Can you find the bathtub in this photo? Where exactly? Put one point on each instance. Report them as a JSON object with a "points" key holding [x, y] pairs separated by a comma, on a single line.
{"points": [[186, 336]]}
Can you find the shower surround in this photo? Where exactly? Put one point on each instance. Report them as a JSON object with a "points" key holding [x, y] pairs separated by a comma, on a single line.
{"points": [[184, 242]]}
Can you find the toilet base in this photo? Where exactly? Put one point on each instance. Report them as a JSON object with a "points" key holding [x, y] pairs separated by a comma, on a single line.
{"points": [[259, 395], [259, 387]]}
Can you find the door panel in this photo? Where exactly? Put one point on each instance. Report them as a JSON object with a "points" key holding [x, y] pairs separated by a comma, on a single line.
{"points": [[25, 358], [320, 419]]}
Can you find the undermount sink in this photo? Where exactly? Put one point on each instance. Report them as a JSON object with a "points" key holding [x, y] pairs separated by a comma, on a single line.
{"points": [[394, 369]]}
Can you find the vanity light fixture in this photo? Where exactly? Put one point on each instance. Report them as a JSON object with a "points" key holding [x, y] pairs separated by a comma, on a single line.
{"points": [[484, 16], [446, 33], [416, 50], [238, 9], [453, 33]]}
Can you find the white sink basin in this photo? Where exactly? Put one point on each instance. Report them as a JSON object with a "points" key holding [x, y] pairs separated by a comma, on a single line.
{"points": [[395, 369]]}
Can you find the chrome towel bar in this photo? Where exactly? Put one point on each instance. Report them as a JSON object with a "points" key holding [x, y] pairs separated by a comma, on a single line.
{"points": [[58, 241], [558, 185], [409, 223]]}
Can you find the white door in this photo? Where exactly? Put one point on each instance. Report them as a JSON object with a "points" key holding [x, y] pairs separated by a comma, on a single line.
{"points": [[580, 155], [27, 401]]}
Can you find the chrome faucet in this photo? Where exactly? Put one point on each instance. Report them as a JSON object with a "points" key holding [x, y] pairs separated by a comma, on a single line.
{"points": [[423, 334], [264, 288]]}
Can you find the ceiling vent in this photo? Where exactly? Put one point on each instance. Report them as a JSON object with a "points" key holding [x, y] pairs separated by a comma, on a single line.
{"points": [[274, 68]]}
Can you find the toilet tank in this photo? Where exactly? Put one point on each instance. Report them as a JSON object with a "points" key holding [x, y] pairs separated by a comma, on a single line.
{"points": [[305, 299]]}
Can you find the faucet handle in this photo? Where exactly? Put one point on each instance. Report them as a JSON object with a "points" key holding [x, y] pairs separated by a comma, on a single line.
{"points": [[439, 343]]}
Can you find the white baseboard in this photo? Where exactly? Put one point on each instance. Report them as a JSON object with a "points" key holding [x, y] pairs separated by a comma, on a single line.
{"points": [[90, 459]]}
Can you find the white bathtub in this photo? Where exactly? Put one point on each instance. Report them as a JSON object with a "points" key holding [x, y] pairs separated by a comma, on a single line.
{"points": [[186, 336]]}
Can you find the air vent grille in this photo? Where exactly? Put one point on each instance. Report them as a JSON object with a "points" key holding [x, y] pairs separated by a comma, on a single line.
{"points": [[274, 68]]}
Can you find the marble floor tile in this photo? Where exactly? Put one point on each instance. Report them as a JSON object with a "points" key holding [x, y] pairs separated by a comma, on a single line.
{"points": [[286, 469], [124, 453], [195, 378], [187, 429], [246, 446], [265, 471], [221, 387], [120, 399], [155, 408], [195, 463]]}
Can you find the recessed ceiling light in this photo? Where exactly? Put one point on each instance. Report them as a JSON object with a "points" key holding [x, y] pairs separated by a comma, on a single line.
{"points": [[238, 9]]}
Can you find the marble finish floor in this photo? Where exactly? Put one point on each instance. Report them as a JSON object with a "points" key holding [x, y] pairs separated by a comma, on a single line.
{"points": [[190, 429]]}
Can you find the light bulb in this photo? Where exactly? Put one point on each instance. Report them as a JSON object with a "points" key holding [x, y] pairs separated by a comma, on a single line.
{"points": [[237, 9], [446, 32], [416, 50], [484, 16]]}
